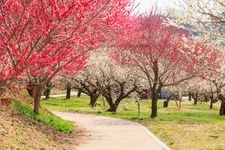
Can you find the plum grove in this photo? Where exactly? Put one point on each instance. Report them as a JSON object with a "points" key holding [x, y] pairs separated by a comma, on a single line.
{"points": [[43, 39]]}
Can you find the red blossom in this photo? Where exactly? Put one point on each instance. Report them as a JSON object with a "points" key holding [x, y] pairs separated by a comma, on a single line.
{"points": [[42, 38]]}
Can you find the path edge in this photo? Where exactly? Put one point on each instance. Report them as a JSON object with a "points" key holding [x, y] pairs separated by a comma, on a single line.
{"points": [[155, 138]]}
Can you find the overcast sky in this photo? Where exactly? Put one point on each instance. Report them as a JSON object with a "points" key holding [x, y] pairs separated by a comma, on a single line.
{"points": [[146, 5]]}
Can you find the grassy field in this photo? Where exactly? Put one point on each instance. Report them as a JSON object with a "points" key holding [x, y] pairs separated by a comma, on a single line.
{"points": [[193, 127]]}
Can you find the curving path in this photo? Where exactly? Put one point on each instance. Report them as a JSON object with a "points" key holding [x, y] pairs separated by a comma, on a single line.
{"points": [[113, 134]]}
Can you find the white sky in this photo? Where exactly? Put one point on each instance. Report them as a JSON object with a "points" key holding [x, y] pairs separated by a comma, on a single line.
{"points": [[162, 5]]}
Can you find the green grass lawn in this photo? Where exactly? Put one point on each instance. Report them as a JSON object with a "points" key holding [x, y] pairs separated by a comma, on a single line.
{"points": [[193, 127]]}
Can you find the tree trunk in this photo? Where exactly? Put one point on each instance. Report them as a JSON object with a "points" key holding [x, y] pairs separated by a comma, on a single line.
{"points": [[222, 108], [78, 93], [48, 90], [180, 104], [36, 94], [195, 101], [112, 107], [68, 91], [211, 104], [94, 97], [47, 93], [93, 100], [116, 105], [189, 96], [139, 108], [154, 104]]}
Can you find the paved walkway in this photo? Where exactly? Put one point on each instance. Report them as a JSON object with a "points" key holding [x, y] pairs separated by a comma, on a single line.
{"points": [[113, 134]]}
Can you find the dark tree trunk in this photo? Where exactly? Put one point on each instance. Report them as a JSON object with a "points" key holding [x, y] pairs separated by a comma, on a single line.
{"points": [[189, 96], [78, 93], [112, 106], [121, 95], [195, 97], [47, 93], [222, 108], [48, 88], [93, 100], [139, 108], [94, 97], [211, 104], [195, 101], [36, 94], [155, 89], [154, 108], [68, 91], [154, 104], [116, 105]]}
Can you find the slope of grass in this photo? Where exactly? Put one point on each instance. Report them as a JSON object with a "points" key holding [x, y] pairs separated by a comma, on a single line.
{"points": [[191, 128], [18, 132], [44, 117]]}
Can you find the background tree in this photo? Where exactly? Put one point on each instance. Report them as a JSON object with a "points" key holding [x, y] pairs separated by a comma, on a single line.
{"points": [[113, 88], [47, 89], [109, 79], [206, 20], [82, 84], [163, 54]]}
